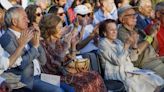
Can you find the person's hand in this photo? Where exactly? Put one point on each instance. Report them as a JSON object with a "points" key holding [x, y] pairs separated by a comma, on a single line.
{"points": [[74, 41], [25, 37], [36, 35], [66, 30], [95, 31], [154, 29], [128, 42], [135, 38], [67, 39]]}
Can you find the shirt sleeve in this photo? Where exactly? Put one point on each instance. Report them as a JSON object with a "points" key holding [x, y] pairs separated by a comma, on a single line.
{"points": [[4, 63]]}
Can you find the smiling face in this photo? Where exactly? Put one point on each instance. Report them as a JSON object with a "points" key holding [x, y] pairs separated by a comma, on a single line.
{"points": [[111, 31]]}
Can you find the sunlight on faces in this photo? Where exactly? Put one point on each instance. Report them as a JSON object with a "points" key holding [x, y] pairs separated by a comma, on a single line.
{"points": [[129, 17], [145, 7], [111, 32], [22, 20]]}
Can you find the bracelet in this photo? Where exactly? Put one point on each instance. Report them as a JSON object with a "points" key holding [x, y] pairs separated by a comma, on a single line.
{"points": [[149, 39]]}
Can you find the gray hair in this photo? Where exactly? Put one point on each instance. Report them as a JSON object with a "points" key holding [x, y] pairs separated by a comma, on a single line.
{"points": [[10, 14], [142, 3], [159, 6]]}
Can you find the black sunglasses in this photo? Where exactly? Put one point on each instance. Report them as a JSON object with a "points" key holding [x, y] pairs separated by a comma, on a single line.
{"points": [[61, 14], [39, 14], [89, 14]]}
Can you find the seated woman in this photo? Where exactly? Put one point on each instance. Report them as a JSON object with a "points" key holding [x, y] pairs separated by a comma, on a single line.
{"points": [[57, 50], [117, 64]]}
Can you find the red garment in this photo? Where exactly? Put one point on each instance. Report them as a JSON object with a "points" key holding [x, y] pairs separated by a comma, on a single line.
{"points": [[160, 37], [71, 15]]}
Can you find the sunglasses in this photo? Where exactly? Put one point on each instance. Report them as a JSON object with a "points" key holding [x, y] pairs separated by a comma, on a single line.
{"points": [[89, 14], [61, 14], [39, 14]]}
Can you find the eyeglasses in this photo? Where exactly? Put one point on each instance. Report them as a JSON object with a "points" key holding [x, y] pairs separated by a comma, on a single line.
{"points": [[131, 15], [61, 14], [89, 14], [39, 14]]}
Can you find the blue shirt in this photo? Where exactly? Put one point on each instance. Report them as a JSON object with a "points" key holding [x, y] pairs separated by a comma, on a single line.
{"points": [[99, 16]]}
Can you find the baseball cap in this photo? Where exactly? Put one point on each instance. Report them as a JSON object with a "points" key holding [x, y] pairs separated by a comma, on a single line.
{"points": [[124, 8], [82, 9]]}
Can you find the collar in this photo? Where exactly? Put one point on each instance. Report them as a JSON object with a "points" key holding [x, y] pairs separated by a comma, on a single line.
{"points": [[17, 34], [100, 12], [142, 16]]}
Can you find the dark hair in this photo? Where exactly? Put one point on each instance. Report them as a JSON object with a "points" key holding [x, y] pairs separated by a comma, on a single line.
{"points": [[117, 2], [31, 11], [53, 9], [48, 24], [134, 2], [103, 26]]}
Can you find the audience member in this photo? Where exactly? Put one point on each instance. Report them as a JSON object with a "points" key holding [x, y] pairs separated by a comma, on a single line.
{"points": [[107, 10], [60, 52], [147, 57], [33, 54], [117, 64]]}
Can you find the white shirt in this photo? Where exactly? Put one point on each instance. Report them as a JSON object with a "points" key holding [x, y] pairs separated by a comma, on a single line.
{"points": [[37, 70], [4, 61]]}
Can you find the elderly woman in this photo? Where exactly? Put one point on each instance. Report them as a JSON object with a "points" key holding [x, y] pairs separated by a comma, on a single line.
{"points": [[57, 52], [144, 55], [117, 64]]}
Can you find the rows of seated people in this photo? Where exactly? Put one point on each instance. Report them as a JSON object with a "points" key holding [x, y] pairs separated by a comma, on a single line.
{"points": [[93, 46]]}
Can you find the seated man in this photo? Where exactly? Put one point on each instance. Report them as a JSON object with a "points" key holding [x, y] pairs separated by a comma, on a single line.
{"points": [[145, 14], [145, 54], [10, 61], [33, 54], [85, 28]]}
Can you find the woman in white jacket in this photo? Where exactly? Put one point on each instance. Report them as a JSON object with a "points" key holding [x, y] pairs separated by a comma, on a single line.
{"points": [[117, 65]]}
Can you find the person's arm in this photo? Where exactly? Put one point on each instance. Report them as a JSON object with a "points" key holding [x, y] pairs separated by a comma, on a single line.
{"points": [[15, 56], [84, 42], [22, 41]]}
